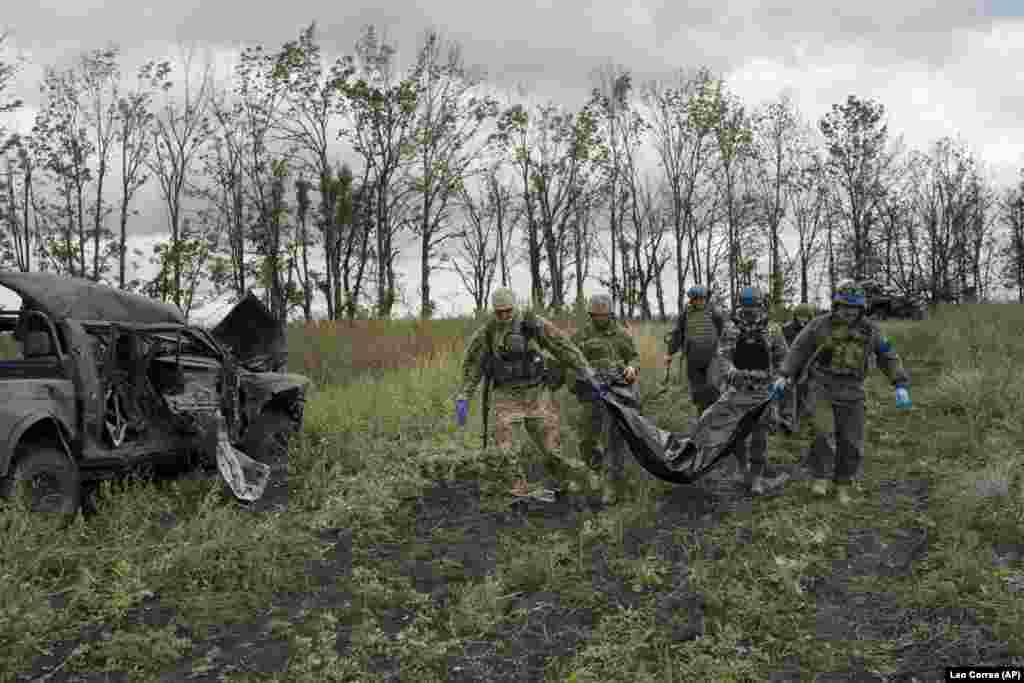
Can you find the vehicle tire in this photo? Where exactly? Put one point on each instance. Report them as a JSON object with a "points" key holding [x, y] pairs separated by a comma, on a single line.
{"points": [[49, 478], [266, 440]]}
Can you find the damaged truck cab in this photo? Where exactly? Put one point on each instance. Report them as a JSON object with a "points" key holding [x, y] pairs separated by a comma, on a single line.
{"points": [[108, 380]]}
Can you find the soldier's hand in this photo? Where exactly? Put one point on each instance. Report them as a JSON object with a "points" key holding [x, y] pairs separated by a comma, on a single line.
{"points": [[668, 361], [629, 374], [778, 388]]}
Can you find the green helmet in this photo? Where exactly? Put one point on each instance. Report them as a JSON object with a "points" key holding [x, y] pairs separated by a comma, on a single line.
{"points": [[600, 303], [503, 299], [849, 293], [803, 311]]}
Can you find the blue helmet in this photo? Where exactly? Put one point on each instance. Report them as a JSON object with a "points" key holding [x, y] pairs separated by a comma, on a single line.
{"points": [[750, 297], [697, 291], [849, 293]]}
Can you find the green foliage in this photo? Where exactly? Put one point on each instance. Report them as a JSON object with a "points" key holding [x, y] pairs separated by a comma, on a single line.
{"points": [[373, 444]]}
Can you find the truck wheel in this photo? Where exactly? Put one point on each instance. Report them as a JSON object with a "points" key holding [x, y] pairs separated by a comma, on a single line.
{"points": [[266, 439], [48, 479]]}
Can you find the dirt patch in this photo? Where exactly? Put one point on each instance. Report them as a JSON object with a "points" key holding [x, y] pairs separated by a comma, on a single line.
{"points": [[519, 651]]}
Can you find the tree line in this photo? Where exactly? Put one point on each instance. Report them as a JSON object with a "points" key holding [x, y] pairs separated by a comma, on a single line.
{"points": [[641, 184]]}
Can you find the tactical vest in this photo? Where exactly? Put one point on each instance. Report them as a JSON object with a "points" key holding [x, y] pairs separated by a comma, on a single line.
{"points": [[845, 351], [600, 349], [752, 352], [512, 361], [701, 336]]}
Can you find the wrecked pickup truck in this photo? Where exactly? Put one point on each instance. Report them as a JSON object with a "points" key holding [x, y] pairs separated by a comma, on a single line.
{"points": [[108, 380]]}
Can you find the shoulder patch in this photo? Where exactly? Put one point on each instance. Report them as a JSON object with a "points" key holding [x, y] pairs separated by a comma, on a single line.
{"points": [[884, 345]]}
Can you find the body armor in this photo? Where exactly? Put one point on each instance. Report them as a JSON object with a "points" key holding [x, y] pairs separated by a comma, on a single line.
{"points": [[844, 351], [513, 362]]}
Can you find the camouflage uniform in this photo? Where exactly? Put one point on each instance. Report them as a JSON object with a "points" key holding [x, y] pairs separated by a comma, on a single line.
{"points": [[520, 394], [839, 352], [612, 353], [801, 406], [696, 334], [751, 353]]}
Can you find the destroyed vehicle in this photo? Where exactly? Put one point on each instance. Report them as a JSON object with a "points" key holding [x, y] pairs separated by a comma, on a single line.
{"points": [[105, 381]]}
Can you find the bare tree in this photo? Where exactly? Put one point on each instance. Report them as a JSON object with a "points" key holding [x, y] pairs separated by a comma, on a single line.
{"points": [[181, 128], [781, 142], [856, 137], [100, 78], [682, 141], [382, 107], [60, 133], [445, 144], [1012, 214], [133, 135]]}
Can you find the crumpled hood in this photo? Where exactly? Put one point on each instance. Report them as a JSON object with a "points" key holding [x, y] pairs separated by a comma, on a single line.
{"points": [[252, 333]]}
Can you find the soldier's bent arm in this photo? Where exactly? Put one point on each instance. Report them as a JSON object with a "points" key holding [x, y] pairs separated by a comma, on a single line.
{"points": [[727, 347], [558, 344], [630, 353], [888, 360], [779, 350], [472, 364], [803, 347], [676, 337]]}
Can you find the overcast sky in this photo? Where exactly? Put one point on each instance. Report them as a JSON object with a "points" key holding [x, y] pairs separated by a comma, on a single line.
{"points": [[940, 68]]}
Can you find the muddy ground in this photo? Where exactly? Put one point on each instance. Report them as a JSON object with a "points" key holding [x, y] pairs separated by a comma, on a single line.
{"points": [[552, 627]]}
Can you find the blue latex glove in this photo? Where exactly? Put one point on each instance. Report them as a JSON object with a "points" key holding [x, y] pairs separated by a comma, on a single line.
{"points": [[778, 389], [461, 411], [902, 397], [599, 388]]}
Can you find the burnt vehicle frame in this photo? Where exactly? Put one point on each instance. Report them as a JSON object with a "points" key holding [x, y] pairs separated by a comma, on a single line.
{"points": [[97, 395]]}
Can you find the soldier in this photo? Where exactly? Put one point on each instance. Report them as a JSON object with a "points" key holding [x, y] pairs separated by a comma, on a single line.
{"points": [[507, 349], [612, 353], [696, 334], [751, 353], [799, 408], [837, 347]]}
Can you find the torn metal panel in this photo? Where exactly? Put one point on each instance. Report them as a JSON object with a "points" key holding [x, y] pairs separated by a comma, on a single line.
{"points": [[256, 338]]}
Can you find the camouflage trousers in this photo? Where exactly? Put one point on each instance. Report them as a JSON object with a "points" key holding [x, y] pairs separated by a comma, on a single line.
{"points": [[839, 433], [703, 384], [539, 415], [752, 449], [595, 426]]}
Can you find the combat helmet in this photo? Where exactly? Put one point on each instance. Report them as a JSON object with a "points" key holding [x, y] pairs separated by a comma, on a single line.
{"points": [[503, 299], [697, 292], [849, 293], [751, 311]]}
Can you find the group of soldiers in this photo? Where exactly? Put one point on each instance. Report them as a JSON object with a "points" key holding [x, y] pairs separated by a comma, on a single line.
{"points": [[733, 365]]}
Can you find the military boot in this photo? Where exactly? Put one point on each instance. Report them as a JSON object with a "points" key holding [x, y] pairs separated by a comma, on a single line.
{"points": [[610, 492], [820, 487], [844, 493], [765, 480]]}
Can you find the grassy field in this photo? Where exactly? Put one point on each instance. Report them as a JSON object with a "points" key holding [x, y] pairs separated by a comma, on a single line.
{"points": [[389, 551]]}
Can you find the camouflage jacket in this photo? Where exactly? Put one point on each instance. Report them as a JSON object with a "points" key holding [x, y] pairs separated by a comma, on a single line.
{"points": [[547, 338], [843, 352], [610, 350], [775, 348]]}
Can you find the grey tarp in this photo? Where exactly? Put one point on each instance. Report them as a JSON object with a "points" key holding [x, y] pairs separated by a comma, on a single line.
{"points": [[683, 458]]}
